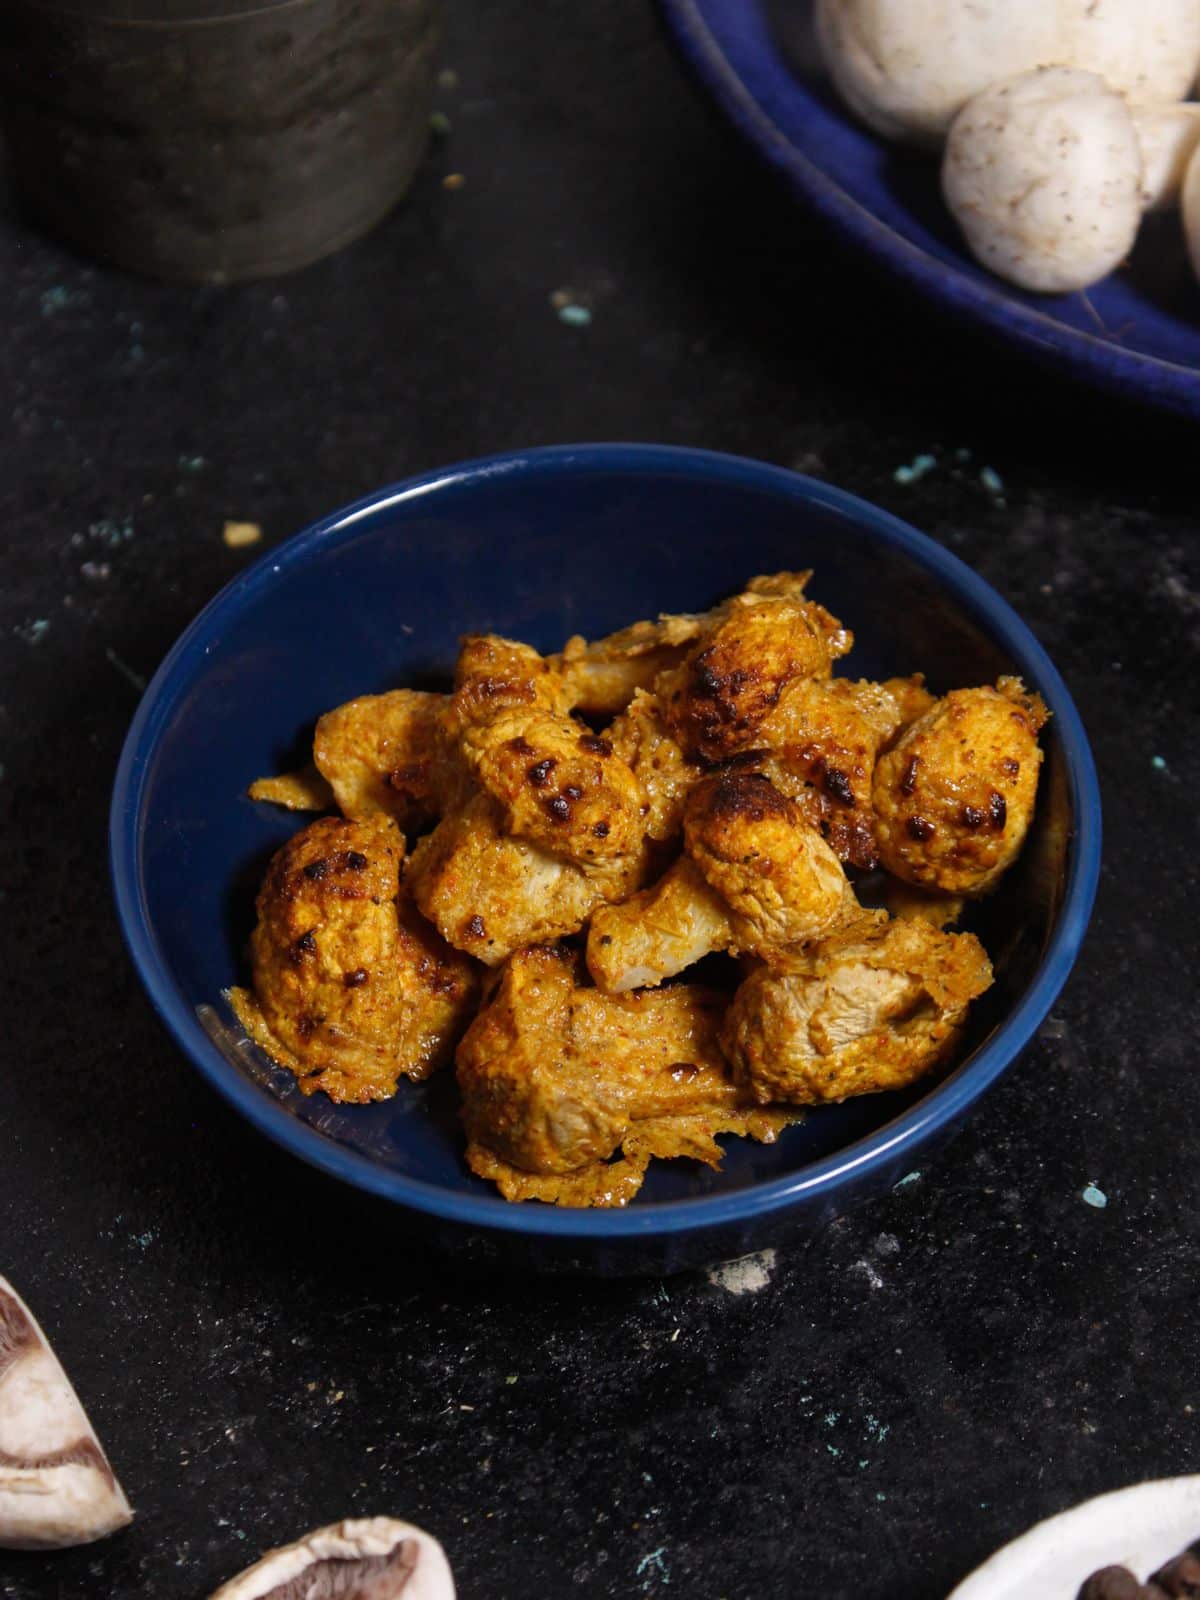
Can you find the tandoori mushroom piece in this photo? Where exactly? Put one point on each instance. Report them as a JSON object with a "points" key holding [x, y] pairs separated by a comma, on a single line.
{"points": [[56, 1486], [756, 878], [873, 1008], [556, 1077], [716, 701], [372, 1558], [489, 894], [352, 989], [819, 746], [954, 797], [388, 755]]}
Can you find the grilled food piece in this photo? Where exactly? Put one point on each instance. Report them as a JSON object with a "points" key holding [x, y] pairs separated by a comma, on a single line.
{"points": [[718, 699], [756, 879], [875, 1007], [820, 744], [387, 755], [954, 797], [352, 989], [556, 1077]]}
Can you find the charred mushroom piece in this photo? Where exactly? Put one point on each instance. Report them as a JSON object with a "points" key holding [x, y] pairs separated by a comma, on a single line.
{"points": [[376, 1558], [56, 1486]]}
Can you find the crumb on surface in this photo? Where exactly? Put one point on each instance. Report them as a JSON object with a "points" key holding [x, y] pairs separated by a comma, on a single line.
{"points": [[238, 534], [453, 180], [1092, 1196], [575, 316]]}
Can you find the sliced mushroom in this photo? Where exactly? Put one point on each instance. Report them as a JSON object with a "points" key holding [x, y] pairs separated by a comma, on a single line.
{"points": [[56, 1486], [376, 1558]]}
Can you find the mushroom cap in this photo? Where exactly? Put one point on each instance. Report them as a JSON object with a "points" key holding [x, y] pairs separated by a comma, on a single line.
{"points": [[907, 67], [1146, 49], [1044, 175], [56, 1486], [374, 1558], [1168, 134], [1191, 209]]}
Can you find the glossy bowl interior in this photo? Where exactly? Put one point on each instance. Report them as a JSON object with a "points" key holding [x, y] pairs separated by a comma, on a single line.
{"points": [[540, 545]]}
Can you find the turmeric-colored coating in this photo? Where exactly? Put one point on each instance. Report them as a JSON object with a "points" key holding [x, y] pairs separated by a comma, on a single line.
{"points": [[875, 1007], [954, 797], [555, 1077], [353, 988], [723, 795]]}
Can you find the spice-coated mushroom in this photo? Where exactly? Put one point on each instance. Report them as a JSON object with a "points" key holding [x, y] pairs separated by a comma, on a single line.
{"points": [[1044, 174], [56, 1486], [376, 1558]]}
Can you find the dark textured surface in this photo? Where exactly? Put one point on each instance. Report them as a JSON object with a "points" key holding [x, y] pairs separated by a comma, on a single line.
{"points": [[261, 1350]]}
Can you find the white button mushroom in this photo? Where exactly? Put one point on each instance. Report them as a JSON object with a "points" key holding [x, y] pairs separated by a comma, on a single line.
{"points": [[56, 1486], [908, 66], [1044, 175], [1191, 210], [1168, 135], [1146, 49], [376, 1558]]}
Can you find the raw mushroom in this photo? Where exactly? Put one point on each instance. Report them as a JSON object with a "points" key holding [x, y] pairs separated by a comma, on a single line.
{"points": [[56, 1486], [376, 1558], [1044, 175], [1191, 210], [1168, 135], [1146, 49], [908, 66]]}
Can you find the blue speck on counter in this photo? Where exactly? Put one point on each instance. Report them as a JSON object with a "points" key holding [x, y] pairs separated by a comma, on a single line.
{"points": [[1158, 764], [574, 316], [653, 1566], [917, 469], [1095, 1197], [909, 1177], [191, 463], [991, 480], [60, 298]]}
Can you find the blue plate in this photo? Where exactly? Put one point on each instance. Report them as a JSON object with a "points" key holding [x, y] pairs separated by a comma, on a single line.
{"points": [[540, 545], [1136, 334]]}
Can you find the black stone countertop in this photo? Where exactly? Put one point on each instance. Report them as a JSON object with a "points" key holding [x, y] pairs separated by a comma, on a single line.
{"points": [[879, 1407]]}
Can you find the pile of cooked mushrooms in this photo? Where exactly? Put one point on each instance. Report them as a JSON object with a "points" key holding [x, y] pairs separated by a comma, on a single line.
{"points": [[525, 874], [1061, 122]]}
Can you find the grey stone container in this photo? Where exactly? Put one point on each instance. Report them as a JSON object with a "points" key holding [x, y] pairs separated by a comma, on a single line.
{"points": [[210, 140]]}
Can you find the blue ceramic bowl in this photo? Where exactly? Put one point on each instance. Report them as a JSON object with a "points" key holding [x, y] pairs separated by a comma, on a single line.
{"points": [[1137, 333], [539, 545]]}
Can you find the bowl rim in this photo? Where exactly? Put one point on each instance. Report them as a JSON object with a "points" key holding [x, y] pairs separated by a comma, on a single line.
{"points": [[1093, 359], [886, 1147]]}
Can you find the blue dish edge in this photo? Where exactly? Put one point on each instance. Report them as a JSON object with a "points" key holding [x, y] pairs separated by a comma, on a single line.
{"points": [[1085, 357], [885, 1148]]}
